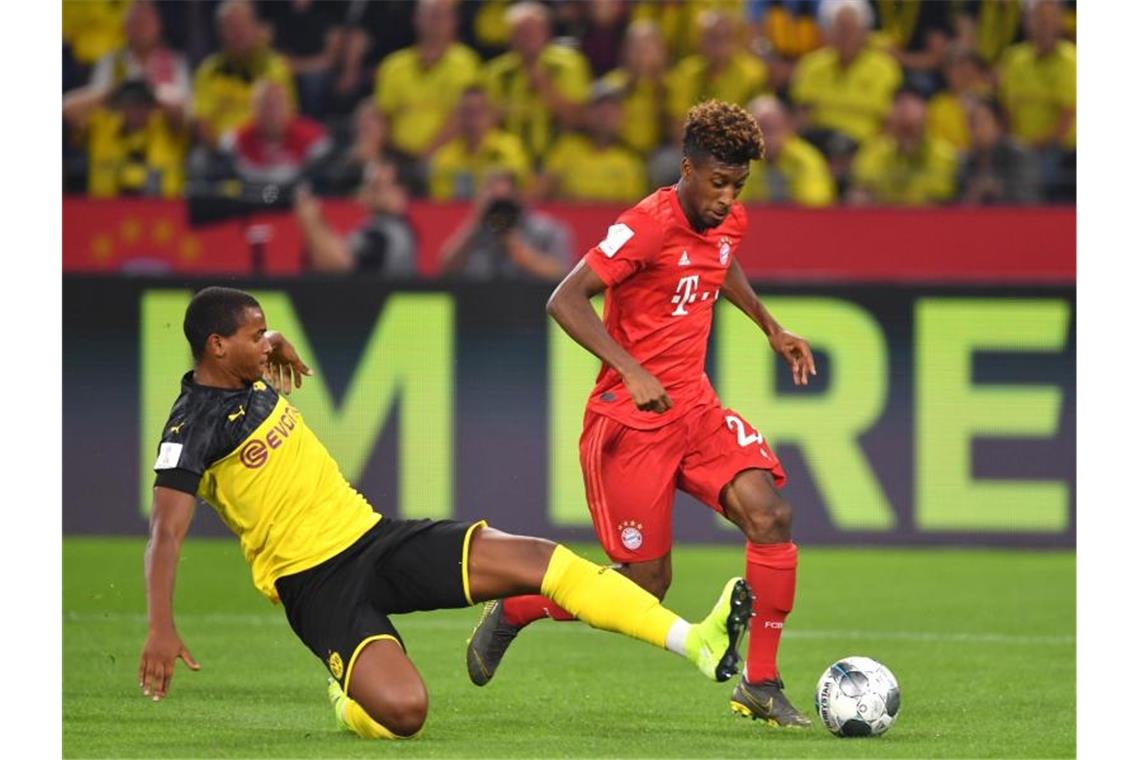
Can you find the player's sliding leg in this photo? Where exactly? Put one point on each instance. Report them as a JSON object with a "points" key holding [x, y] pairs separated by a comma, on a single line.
{"points": [[502, 565], [386, 697], [502, 619], [752, 501]]}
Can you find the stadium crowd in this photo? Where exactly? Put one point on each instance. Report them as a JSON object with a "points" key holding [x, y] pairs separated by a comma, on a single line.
{"points": [[894, 102]]}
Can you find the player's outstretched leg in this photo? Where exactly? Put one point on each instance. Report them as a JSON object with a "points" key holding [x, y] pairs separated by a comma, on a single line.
{"points": [[752, 501], [501, 565], [500, 623], [386, 697]]}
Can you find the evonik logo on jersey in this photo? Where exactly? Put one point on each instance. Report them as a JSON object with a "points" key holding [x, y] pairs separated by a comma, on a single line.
{"points": [[255, 452]]}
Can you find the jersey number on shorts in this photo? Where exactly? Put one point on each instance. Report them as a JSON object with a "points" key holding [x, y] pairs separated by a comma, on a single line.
{"points": [[743, 437]]}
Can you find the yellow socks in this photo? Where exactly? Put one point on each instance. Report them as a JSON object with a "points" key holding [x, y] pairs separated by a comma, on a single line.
{"points": [[362, 724], [606, 599], [352, 717]]}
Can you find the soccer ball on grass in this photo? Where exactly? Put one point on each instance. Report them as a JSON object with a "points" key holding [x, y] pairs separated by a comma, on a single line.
{"points": [[857, 696]]}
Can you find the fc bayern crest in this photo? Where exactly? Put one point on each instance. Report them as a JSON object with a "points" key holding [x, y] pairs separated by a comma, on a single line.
{"points": [[630, 535], [724, 250]]}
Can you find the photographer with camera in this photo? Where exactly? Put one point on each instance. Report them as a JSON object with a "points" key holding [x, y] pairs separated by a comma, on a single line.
{"points": [[501, 238], [384, 244]]}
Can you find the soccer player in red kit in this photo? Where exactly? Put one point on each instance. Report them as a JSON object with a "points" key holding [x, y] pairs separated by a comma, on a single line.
{"points": [[653, 422]]}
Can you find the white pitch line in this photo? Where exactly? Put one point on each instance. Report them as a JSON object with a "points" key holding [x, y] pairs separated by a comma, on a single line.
{"points": [[422, 623]]}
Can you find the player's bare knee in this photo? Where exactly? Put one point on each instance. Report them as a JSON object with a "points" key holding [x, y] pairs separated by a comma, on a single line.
{"points": [[402, 712], [770, 523]]}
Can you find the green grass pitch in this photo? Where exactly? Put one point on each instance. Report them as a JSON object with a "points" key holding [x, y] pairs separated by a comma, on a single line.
{"points": [[982, 642]]}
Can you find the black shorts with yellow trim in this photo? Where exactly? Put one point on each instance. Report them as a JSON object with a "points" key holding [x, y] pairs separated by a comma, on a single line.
{"points": [[397, 566]]}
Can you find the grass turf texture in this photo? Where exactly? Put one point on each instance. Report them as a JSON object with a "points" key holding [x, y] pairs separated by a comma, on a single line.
{"points": [[982, 642]]}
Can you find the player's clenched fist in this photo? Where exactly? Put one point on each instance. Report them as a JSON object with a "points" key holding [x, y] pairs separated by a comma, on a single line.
{"points": [[647, 392], [156, 666]]}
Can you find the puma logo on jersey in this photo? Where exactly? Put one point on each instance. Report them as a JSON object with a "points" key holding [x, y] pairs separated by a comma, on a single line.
{"points": [[684, 260], [176, 429], [239, 413]]}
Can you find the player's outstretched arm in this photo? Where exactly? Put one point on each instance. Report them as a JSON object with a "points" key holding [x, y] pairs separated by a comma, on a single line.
{"points": [[794, 349], [285, 367], [570, 307], [169, 522]]}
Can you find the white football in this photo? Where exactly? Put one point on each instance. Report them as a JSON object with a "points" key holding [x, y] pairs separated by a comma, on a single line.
{"points": [[857, 696]]}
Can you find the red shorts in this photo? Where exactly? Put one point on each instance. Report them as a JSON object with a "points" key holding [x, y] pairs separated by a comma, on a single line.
{"points": [[632, 475]]}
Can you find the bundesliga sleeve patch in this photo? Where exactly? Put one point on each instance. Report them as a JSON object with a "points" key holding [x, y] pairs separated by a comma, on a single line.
{"points": [[168, 455], [618, 235]]}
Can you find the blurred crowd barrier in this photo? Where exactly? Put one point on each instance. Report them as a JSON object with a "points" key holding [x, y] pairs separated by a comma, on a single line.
{"points": [[1015, 245]]}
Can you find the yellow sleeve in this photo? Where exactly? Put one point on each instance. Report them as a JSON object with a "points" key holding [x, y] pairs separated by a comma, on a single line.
{"points": [[679, 89], [890, 78], [814, 186], [804, 89], [944, 165], [101, 174], [1067, 81], [867, 166], [757, 74], [205, 105], [278, 71], [574, 84], [944, 120], [1007, 77], [440, 179], [468, 71], [489, 76], [170, 157], [387, 85], [515, 158]]}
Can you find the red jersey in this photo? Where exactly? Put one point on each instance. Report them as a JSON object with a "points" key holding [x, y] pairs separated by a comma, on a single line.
{"points": [[663, 279], [259, 160]]}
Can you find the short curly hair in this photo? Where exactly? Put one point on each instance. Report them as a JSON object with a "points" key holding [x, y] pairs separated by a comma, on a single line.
{"points": [[724, 131]]}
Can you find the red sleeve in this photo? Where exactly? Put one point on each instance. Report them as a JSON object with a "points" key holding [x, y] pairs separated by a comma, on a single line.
{"points": [[631, 244]]}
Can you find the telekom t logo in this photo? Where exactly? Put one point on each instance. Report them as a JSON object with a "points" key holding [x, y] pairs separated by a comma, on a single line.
{"points": [[686, 293]]}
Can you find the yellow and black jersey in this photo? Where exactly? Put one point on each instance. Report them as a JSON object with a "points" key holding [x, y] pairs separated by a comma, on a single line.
{"points": [[249, 454]]}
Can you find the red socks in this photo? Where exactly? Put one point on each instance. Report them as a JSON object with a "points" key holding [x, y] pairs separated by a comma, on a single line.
{"points": [[520, 611], [770, 570]]}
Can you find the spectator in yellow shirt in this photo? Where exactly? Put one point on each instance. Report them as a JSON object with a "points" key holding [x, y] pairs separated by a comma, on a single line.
{"points": [[846, 86], [132, 147], [721, 70], [792, 170], [678, 20], [1039, 82], [418, 87], [223, 83], [539, 87], [595, 166], [458, 168], [947, 112], [783, 32], [641, 80], [1038, 87], [143, 57], [93, 28], [904, 166]]}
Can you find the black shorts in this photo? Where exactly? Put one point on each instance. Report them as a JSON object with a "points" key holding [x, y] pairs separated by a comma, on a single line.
{"points": [[397, 566]]}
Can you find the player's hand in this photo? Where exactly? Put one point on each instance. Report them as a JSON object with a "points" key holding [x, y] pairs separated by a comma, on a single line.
{"points": [[156, 666], [285, 367], [796, 352], [647, 392]]}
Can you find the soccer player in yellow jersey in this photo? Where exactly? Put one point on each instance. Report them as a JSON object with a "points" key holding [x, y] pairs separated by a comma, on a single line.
{"points": [[338, 567]]}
